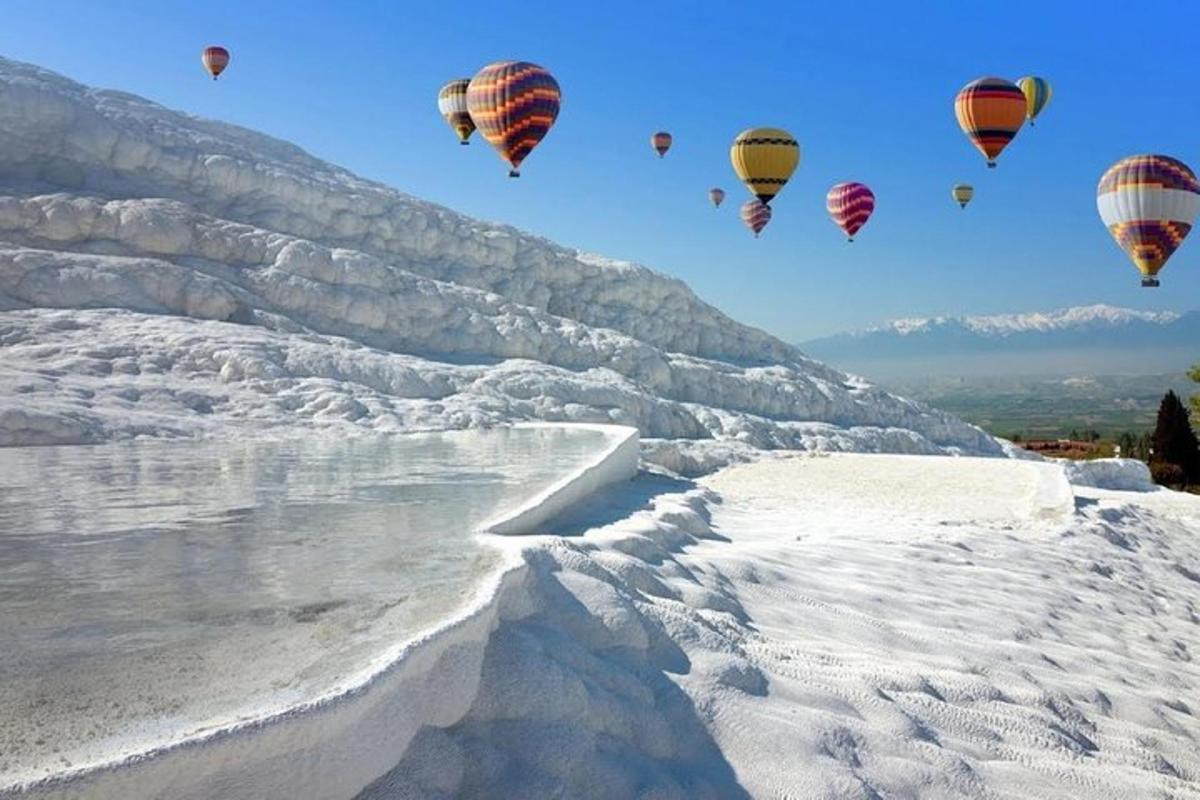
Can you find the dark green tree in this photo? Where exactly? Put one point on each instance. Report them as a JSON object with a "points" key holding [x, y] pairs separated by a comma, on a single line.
{"points": [[1174, 441]]}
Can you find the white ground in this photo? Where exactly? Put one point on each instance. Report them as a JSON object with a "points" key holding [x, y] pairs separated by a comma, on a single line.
{"points": [[809, 628]]}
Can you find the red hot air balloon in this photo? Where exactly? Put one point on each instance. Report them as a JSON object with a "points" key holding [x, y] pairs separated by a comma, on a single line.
{"points": [[513, 104], [215, 60], [661, 142], [756, 214], [850, 205]]}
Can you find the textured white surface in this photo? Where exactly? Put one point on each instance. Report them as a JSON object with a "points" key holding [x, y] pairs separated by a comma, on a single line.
{"points": [[810, 628], [177, 276]]}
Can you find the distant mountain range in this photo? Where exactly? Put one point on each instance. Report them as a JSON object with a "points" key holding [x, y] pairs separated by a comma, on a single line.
{"points": [[1085, 340]]}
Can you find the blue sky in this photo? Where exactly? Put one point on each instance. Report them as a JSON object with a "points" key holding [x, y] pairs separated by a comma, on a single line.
{"points": [[866, 87]]}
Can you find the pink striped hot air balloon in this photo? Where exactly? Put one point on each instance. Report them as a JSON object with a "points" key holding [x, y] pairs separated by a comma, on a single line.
{"points": [[756, 214], [850, 205]]}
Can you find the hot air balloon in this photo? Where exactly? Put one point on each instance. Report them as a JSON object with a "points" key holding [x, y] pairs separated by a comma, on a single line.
{"points": [[764, 159], [716, 195], [1037, 95], [756, 214], [514, 104], [452, 104], [962, 194], [850, 205], [990, 111], [215, 60], [1148, 203], [661, 142]]}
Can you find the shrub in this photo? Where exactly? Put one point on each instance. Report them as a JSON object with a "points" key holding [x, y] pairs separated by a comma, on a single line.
{"points": [[1167, 474]]}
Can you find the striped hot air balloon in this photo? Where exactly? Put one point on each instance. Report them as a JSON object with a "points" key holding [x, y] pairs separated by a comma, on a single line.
{"points": [[990, 111], [962, 194], [661, 142], [514, 104], [756, 214], [1149, 203], [215, 60], [452, 104], [1037, 95], [764, 159], [850, 205], [716, 195]]}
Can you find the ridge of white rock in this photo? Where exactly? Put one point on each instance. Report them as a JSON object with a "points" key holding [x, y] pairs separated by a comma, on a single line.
{"points": [[166, 275]]}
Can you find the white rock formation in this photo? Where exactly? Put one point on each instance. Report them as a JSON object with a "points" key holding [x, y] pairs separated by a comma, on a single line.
{"points": [[162, 274]]}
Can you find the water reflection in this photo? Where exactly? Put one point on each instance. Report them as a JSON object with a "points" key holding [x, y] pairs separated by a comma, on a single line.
{"points": [[162, 587]]}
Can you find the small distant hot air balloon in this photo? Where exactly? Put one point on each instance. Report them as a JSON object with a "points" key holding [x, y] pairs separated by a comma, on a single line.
{"points": [[850, 205], [756, 214], [990, 111], [1149, 203], [1037, 95], [661, 142], [716, 195], [514, 104], [215, 60], [962, 194], [452, 104], [764, 159]]}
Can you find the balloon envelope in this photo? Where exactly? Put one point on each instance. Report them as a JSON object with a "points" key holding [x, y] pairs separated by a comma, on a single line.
{"points": [[1148, 203], [990, 111], [850, 206], [514, 104], [215, 59], [661, 142], [1037, 95], [755, 215], [764, 159], [962, 194], [452, 105]]}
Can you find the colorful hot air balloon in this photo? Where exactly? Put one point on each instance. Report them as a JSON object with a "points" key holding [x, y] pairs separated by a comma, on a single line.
{"points": [[661, 142], [1148, 203], [1037, 95], [215, 60], [756, 214], [514, 104], [764, 159], [716, 195], [990, 111], [452, 104], [962, 194], [850, 205]]}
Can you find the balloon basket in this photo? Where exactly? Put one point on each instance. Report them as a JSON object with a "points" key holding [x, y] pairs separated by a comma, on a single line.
{"points": [[1150, 282]]}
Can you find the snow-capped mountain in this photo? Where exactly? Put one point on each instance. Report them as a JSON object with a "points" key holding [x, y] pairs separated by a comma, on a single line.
{"points": [[1082, 339], [167, 275]]}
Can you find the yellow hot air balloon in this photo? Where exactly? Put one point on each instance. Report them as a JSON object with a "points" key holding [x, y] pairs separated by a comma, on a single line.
{"points": [[764, 159], [1037, 95], [962, 194]]}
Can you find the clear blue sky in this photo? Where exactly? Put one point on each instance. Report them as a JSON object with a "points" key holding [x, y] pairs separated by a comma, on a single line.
{"points": [[867, 88]]}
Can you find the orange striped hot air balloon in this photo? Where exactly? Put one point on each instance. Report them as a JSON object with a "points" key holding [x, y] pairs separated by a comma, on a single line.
{"points": [[215, 59], [514, 104], [990, 111], [755, 215], [661, 142]]}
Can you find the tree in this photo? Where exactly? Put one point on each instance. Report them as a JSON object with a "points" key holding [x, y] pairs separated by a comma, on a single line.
{"points": [[1195, 399], [1174, 441]]}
